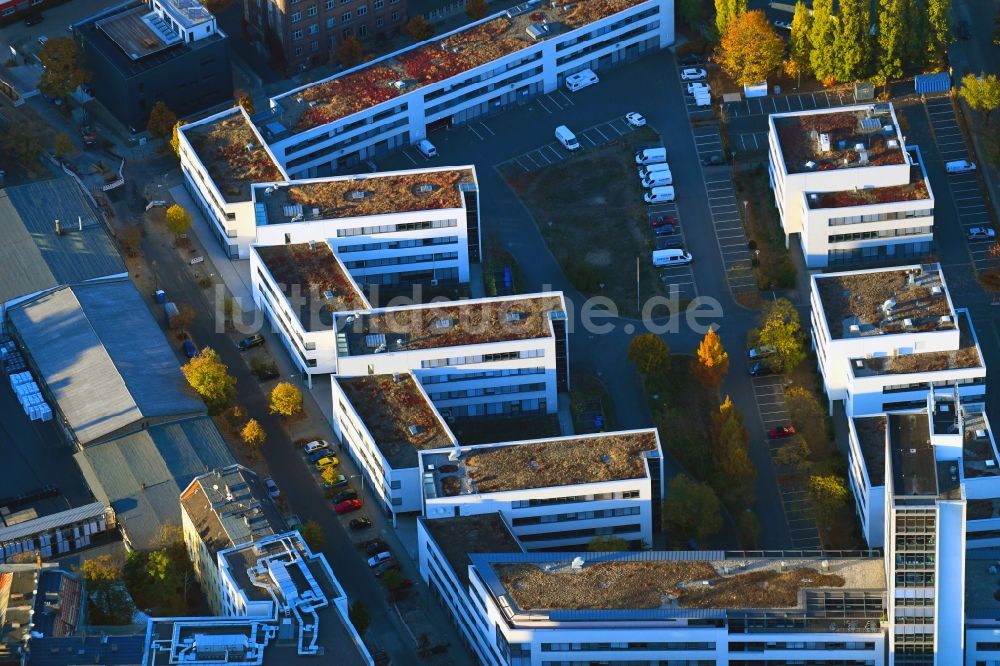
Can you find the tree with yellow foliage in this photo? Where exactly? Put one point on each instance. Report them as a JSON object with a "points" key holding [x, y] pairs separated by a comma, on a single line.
{"points": [[711, 362], [286, 399], [178, 220], [210, 378], [253, 434]]}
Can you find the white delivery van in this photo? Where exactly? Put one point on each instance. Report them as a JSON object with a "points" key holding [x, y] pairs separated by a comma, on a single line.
{"points": [[675, 257], [658, 179], [663, 194], [580, 80], [651, 156], [652, 168], [567, 138], [427, 149], [702, 99], [959, 166]]}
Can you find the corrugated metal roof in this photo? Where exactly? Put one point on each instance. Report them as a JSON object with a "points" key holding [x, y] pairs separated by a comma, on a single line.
{"points": [[926, 84], [142, 475], [68, 517], [32, 257], [103, 357]]}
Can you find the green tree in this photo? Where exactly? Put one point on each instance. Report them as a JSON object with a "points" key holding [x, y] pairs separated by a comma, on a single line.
{"points": [[210, 378], [359, 616], [822, 56], [419, 28], [793, 453], [158, 566], [799, 46], [253, 434], [982, 93], [178, 220], [22, 141], [730, 451], [350, 52], [691, 510], [711, 362], [607, 544], [809, 419], [750, 48], [852, 43], [476, 9], [650, 354], [780, 329], [286, 399], [109, 601], [161, 120], [64, 145], [63, 69], [828, 493], [938, 31], [313, 535], [914, 43], [891, 38], [691, 12], [727, 11]]}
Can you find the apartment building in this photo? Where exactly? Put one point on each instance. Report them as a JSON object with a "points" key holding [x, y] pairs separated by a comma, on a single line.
{"points": [[884, 337], [556, 493], [476, 70], [845, 182], [384, 421], [221, 157], [303, 34], [141, 53], [394, 227], [224, 508]]}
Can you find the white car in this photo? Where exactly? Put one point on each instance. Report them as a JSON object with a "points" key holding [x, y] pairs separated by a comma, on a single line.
{"points": [[693, 74], [693, 88], [783, 25], [378, 559], [272, 488], [635, 119], [982, 233]]}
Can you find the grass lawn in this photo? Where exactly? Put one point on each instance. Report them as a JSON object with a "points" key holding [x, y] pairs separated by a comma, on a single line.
{"points": [[774, 268], [591, 213]]}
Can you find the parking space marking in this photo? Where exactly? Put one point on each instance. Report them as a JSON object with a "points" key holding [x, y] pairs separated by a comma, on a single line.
{"points": [[408, 156], [542, 104], [473, 130], [566, 99]]}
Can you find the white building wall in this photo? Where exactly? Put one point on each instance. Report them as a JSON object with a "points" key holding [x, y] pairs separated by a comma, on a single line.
{"points": [[205, 568], [982, 643], [950, 590], [865, 395]]}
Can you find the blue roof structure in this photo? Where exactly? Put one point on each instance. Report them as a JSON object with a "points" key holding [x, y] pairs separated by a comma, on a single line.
{"points": [[929, 84]]}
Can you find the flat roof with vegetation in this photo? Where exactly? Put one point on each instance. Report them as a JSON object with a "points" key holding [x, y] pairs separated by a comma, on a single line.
{"points": [[233, 154], [363, 195], [802, 150], [915, 190], [459, 536], [430, 62], [965, 357], [397, 416]]}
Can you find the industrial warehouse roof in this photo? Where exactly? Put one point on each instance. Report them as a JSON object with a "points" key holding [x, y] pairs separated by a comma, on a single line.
{"points": [[32, 257], [103, 357], [141, 475]]}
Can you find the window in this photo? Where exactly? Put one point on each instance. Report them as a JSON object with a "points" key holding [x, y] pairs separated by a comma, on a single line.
{"points": [[329, 4], [362, 10], [314, 28], [379, 21], [345, 17], [297, 35], [344, 34], [362, 31], [330, 22], [395, 15], [8, 11], [314, 46], [298, 49], [378, 4], [311, 11], [296, 17]]}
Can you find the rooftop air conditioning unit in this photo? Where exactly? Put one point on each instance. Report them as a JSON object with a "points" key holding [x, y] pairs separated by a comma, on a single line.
{"points": [[328, 295], [577, 563], [824, 142], [980, 434]]}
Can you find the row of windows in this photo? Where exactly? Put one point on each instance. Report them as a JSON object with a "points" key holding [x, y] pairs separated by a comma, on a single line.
{"points": [[578, 515], [606, 647], [397, 245], [398, 261], [879, 252], [490, 390], [573, 499], [485, 374], [800, 645], [482, 358], [617, 40], [375, 130], [393, 228], [882, 233], [880, 217], [634, 662], [319, 138]]}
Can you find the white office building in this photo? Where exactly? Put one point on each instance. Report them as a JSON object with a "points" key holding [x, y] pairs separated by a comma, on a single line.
{"points": [[884, 337], [394, 227], [221, 157], [468, 73], [846, 184], [554, 493]]}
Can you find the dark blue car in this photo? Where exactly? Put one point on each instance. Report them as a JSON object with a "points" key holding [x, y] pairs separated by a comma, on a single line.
{"points": [[189, 349]]}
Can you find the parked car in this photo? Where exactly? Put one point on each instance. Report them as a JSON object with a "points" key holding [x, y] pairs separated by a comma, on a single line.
{"points": [[272, 488], [760, 369], [379, 558], [783, 25], [347, 506], [693, 88], [662, 220], [982, 233], [427, 148], [316, 456], [693, 74], [713, 160], [385, 566], [635, 119], [339, 482], [327, 461], [781, 432], [344, 496], [250, 342], [689, 60], [189, 349], [757, 353], [669, 243], [33, 19], [375, 546], [316, 445], [665, 230], [87, 136], [360, 523], [293, 521]]}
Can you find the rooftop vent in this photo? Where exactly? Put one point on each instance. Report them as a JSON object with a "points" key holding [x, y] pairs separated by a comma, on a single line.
{"points": [[945, 319], [990, 463], [399, 85], [605, 458], [577, 563], [426, 188], [854, 328], [444, 323], [824, 142], [250, 146], [888, 305], [937, 290], [516, 316], [328, 295], [858, 363], [980, 434], [414, 429], [907, 322], [859, 147], [892, 143], [357, 194], [533, 465], [312, 245], [395, 378], [863, 156], [810, 165]]}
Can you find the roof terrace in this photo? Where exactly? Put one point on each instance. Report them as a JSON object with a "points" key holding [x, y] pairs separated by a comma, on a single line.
{"points": [[233, 154], [914, 468], [430, 62], [881, 302], [979, 453], [541, 463], [397, 415], [915, 190], [314, 282], [679, 581], [966, 356], [437, 325], [459, 536], [871, 441], [841, 139], [363, 195]]}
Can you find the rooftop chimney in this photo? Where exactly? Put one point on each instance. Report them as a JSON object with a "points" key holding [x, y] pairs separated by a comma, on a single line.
{"points": [[58, 228]]}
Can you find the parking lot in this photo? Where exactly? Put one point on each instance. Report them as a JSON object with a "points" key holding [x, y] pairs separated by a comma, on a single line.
{"points": [[677, 280], [748, 141], [763, 106], [553, 152]]}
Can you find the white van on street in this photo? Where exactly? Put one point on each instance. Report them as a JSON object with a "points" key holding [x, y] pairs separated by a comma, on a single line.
{"points": [[427, 149], [651, 156], [567, 138], [580, 80], [675, 257], [959, 166], [664, 194]]}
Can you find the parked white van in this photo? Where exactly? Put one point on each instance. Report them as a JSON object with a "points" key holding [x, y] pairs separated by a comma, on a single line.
{"points": [[580, 80], [567, 138], [658, 179], [664, 194], [427, 149], [702, 99], [675, 257], [653, 168], [959, 166], [651, 156]]}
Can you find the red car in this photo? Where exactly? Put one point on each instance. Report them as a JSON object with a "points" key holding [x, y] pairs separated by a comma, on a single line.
{"points": [[781, 432], [347, 506], [662, 221]]}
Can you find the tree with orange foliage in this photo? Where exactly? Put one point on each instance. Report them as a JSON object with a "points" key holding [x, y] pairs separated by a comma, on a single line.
{"points": [[750, 48], [711, 362]]}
